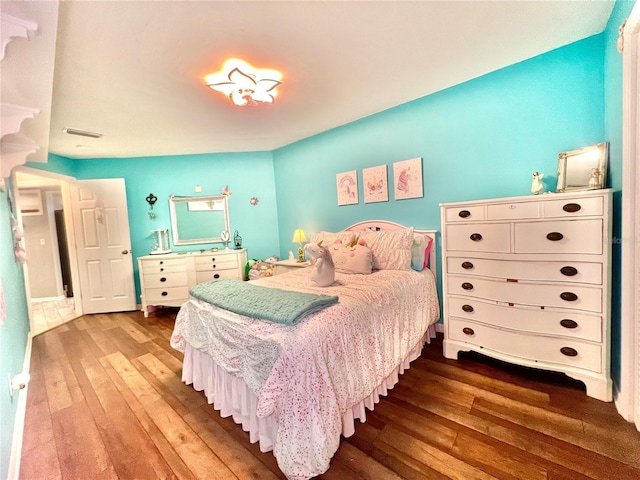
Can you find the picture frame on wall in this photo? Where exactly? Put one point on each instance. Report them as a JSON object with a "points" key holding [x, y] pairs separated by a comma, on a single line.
{"points": [[374, 182], [347, 187], [407, 179]]}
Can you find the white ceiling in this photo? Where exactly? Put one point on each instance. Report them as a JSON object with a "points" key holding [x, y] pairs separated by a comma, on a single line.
{"points": [[134, 71]]}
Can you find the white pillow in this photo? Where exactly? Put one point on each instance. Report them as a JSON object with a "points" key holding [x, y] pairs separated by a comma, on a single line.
{"points": [[354, 259], [391, 248]]}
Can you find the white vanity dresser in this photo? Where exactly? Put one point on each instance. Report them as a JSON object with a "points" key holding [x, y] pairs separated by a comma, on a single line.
{"points": [[527, 280], [165, 280]]}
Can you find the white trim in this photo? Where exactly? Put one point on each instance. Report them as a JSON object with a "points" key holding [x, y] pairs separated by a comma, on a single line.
{"points": [[628, 398], [18, 426]]}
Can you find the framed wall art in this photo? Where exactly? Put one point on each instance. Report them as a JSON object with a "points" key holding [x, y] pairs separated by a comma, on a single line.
{"points": [[347, 185], [407, 179], [375, 186]]}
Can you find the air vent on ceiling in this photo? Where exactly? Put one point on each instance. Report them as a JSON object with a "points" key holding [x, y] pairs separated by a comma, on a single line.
{"points": [[82, 133]]}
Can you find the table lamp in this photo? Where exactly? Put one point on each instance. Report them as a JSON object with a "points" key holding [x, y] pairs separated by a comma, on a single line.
{"points": [[299, 238]]}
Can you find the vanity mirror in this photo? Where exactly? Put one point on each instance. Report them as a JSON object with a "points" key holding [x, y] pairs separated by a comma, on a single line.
{"points": [[583, 169], [198, 219]]}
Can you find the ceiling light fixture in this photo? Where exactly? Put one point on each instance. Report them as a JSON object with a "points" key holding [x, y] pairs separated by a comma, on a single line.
{"points": [[82, 133], [243, 84]]}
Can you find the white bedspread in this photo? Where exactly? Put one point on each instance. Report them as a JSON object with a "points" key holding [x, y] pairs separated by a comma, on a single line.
{"points": [[310, 374]]}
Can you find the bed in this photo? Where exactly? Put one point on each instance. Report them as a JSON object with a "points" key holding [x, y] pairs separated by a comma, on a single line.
{"points": [[297, 388]]}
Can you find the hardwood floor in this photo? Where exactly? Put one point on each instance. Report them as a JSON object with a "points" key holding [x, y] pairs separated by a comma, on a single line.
{"points": [[106, 402]]}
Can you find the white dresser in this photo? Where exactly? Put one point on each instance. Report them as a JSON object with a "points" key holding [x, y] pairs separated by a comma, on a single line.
{"points": [[165, 280], [527, 280]]}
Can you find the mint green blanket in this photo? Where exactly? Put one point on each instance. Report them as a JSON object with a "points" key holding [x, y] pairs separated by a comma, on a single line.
{"points": [[273, 304]]}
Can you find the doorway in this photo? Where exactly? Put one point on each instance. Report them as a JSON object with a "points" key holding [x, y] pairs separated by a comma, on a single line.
{"points": [[48, 275]]}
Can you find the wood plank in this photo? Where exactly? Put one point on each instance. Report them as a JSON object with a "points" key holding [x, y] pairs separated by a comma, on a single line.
{"points": [[196, 454], [178, 466], [233, 453], [80, 448]]}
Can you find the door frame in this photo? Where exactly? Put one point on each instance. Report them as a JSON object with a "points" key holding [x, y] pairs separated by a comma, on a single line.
{"points": [[64, 181], [628, 400]]}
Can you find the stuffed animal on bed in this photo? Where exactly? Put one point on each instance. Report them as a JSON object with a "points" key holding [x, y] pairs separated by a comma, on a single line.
{"points": [[324, 271]]}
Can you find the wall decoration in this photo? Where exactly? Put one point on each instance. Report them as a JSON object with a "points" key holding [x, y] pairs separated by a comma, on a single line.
{"points": [[374, 180], [407, 179], [253, 201], [347, 183]]}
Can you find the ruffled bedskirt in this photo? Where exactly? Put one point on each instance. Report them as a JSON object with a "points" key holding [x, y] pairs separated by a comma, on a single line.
{"points": [[231, 396]]}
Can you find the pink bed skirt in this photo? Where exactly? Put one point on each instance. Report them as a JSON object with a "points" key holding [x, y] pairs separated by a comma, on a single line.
{"points": [[231, 396]]}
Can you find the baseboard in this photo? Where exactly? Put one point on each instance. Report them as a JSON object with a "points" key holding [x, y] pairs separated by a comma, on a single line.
{"points": [[47, 299], [18, 427]]}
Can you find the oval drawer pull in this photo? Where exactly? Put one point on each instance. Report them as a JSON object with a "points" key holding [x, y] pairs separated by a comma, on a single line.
{"points": [[571, 207], [467, 308], [467, 286], [162, 269], [555, 236], [216, 276], [467, 265], [164, 294], [468, 331], [476, 237], [163, 279], [161, 262], [568, 323], [569, 271], [213, 266], [569, 296], [213, 259], [464, 213], [568, 351]]}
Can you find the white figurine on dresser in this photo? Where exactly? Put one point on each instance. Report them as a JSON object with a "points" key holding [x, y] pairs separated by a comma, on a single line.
{"points": [[527, 280], [165, 280]]}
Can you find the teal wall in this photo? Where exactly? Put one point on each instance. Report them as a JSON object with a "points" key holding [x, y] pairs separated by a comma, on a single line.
{"points": [[613, 134], [13, 334], [481, 139], [246, 174]]}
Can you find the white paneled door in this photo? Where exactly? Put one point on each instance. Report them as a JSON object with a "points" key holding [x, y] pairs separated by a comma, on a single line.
{"points": [[103, 245]]}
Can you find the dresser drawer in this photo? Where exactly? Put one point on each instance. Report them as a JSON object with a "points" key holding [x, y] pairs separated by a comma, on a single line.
{"points": [[574, 207], [161, 266], [565, 324], [464, 214], [575, 272], [166, 296], [574, 297], [570, 236], [562, 351], [508, 211], [216, 262], [205, 276], [478, 238], [165, 279]]}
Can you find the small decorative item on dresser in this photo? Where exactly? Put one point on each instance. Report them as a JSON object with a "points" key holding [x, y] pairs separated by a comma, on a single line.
{"points": [[237, 240], [225, 237], [536, 183]]}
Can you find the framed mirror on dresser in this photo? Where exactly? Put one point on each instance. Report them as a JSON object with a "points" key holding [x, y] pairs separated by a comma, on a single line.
{"points": [[198, 220], [583, 169]]}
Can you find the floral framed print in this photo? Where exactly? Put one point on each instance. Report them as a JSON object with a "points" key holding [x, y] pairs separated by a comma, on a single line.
{"points": [[375, 186], [407, 179], [347, 184]]}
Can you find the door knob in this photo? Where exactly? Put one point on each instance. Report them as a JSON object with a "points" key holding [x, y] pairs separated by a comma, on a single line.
{"points": [[124, 252]]}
